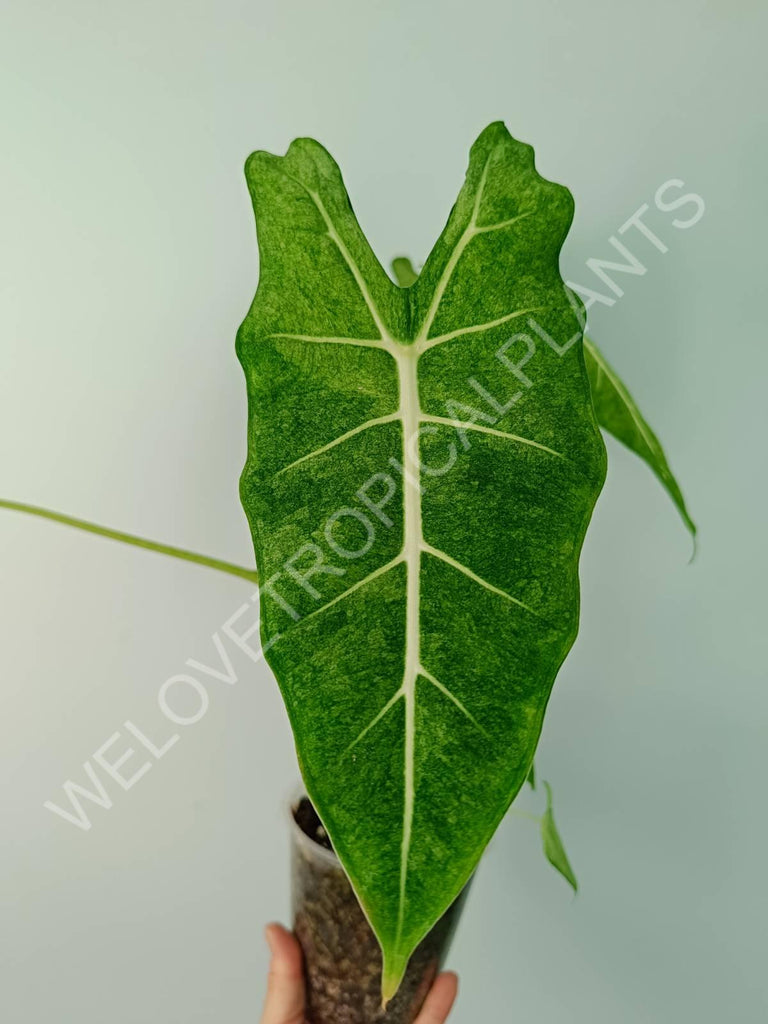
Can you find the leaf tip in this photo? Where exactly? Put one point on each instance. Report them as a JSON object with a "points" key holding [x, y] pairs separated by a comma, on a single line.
{"points": [[694, 541], [496, 130], [391, 977], [254, 159]]}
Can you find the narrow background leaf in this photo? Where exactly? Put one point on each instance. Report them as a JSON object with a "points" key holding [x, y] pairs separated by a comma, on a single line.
{"points": [[554, 850], [617, 412]]}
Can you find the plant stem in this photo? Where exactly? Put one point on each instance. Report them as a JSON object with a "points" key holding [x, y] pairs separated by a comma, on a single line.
{"points": [[137, 542]]}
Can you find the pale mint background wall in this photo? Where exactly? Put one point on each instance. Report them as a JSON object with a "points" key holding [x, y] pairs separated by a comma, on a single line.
{"points": [[128, 259]]}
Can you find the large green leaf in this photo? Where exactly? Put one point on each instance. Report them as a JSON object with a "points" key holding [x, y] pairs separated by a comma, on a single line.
{"points": [[417, 658], [617, 412]]}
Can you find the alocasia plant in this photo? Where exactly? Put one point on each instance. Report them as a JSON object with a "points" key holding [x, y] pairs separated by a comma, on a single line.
{"points": [[416, 676], [416, 663]]}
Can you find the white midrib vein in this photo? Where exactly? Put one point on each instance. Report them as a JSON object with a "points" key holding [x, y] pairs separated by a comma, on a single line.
{"points": [[412, 544], [406, 358], [409, 413]]}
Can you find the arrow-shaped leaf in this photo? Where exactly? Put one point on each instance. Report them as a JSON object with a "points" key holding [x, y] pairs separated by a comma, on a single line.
{"points": [[418, 502], [617, 412]]}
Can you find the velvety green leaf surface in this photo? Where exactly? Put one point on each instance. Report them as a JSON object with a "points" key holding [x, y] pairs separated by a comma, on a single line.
{"points": [[419, 632], [554, 850], [617, 412]]}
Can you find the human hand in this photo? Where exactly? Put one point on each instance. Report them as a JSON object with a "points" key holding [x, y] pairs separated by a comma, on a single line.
{"points": [[285, 1002]]}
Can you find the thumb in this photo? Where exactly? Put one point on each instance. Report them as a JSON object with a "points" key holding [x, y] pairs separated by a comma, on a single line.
{"points": [[285, 999], [440, 1000]]}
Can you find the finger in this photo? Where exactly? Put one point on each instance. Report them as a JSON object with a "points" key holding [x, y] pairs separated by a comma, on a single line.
{"points": [[285, 999], [440, 1000]]}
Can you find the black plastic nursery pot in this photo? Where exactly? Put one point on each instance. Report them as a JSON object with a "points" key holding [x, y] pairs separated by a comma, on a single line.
{"points": [[342, 959]]}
